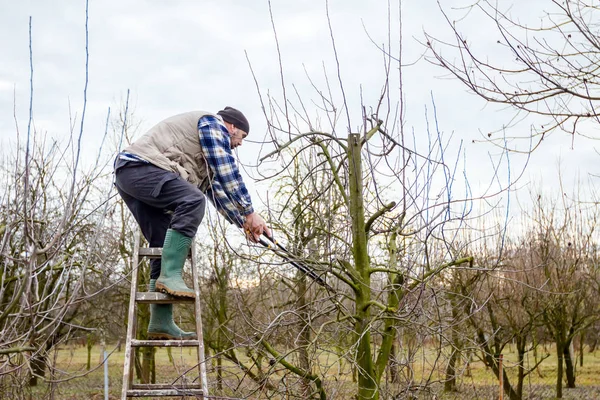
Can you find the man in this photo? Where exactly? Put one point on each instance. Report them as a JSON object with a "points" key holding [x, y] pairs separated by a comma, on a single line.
{"points": [[164, 178]]}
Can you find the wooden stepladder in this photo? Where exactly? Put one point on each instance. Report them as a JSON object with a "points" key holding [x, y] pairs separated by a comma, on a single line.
{"points": [[198, 390]]}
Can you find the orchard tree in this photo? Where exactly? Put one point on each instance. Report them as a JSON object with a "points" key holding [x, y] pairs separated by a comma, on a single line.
{"points": [[376, 208]]}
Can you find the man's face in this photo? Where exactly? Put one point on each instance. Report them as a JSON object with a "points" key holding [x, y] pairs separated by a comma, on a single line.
{"points": [[237, 136]]}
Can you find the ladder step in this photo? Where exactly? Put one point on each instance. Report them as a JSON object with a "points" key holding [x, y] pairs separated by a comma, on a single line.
{"points": [[164, 392], [154, 252], [164, 343], [160, 298], [150, 252], [155, 386]]}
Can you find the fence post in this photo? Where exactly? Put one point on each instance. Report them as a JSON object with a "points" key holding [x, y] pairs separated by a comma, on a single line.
{"points": [[105, 375], [501, 376]]}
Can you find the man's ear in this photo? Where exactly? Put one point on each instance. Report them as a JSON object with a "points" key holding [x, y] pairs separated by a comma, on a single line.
{"points": [[229, 127]]}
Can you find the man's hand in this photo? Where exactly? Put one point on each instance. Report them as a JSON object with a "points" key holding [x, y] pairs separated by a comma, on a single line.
{"points": [[255, 226]]}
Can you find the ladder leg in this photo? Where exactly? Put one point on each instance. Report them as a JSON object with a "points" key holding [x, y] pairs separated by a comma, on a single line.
{"points": [[198, 315], [132, 321], [130, 389]]}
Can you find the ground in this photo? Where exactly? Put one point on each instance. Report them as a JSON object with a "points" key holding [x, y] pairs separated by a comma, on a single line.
{"points": [[479, 384]]}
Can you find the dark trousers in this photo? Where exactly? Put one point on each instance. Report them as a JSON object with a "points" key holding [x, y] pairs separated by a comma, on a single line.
{"points": [[159, 200]]}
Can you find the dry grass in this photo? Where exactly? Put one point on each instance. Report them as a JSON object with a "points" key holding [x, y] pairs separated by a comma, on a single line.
{"points": [[479, 384]]}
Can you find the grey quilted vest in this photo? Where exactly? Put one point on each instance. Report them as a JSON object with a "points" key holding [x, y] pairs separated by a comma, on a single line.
{"points": [[173, 145]]}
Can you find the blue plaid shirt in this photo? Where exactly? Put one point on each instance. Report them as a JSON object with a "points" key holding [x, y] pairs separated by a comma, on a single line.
{"points": [[227, 190]]}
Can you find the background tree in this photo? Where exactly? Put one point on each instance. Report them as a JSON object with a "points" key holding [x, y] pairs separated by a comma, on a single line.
{"points": [[49, 250], [552, 72], [562, 239]]}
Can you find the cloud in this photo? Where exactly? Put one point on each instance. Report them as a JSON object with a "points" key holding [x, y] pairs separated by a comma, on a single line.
{"points": [[182, 55], [6, 86]]}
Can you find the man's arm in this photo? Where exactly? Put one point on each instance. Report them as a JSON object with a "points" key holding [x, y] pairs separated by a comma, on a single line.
{"points": [[227, 191]]}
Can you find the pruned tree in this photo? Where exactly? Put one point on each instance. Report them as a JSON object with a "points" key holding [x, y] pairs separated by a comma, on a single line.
{"points": [[378, 209]]}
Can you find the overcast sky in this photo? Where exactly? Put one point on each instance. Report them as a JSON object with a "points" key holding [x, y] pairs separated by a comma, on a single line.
{"points": [[182, 55]]}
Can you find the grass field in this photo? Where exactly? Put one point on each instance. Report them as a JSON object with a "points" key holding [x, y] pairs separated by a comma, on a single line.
{"points": [[480, 383]]}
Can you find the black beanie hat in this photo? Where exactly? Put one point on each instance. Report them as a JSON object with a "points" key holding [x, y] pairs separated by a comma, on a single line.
{"points": [[235, 117]]}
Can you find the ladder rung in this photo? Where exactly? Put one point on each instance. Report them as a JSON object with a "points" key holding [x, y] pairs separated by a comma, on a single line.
{"points": [[164, 343], [160, 298], [154, 252], [154, 386], [164, 392], [151, 252]]}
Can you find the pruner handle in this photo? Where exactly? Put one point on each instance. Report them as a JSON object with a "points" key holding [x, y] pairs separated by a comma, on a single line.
{"points": [[271, 238], [265, 244], [283, 252]]}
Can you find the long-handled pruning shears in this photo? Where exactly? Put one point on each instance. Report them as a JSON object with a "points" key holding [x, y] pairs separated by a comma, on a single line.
{"points": [[282, 252]]}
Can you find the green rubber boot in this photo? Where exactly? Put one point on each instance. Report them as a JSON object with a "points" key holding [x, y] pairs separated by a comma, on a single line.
{"points": [[161, 324], [174, 253]]}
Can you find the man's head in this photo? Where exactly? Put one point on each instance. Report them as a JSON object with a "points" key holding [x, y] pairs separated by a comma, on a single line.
{"points": [[236, 124]]}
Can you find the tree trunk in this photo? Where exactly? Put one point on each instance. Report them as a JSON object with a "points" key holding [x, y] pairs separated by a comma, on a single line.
{"points": [[89, 344], [367, 386], [393, 364], [581, 345], [521, 344], [450, 382], [153, 366], [593, 346], [137, 363], [304, 334], [147, 358], [38, 368], [493, 364], [144, 363], [367, 381], [569, 366], [222, 311], [559, 372], [468, 372], [219, 373], [535, 355], [512, 394]]}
